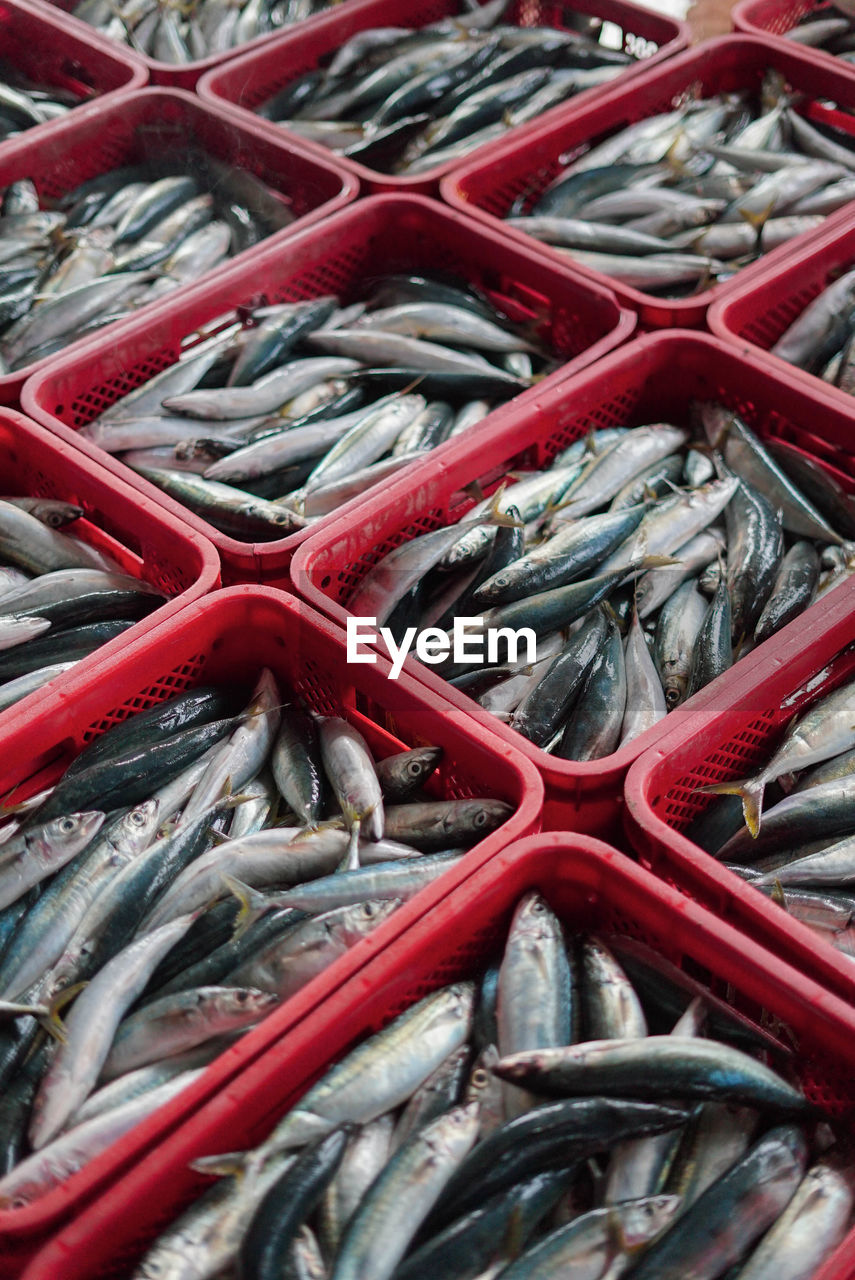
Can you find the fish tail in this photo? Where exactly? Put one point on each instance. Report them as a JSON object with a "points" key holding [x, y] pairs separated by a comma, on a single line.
{"points": [[253, 904], [757, 221], [495, 515], [673, 160], [750, 791], [350, 861], [50, 1019]]}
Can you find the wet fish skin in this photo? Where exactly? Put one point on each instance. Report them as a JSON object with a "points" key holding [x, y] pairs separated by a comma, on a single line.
{"points": [[673, 1066], [761, 1185], [288, 1203]]}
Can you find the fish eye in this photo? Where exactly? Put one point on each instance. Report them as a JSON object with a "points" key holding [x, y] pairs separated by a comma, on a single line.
{"points": [[67, 825], [414, 768], [369, 910], [672, 696], [138, 818], [480, 818], [479, 1077]]}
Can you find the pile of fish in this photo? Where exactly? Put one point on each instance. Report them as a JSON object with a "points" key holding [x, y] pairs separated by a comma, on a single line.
{"points": [[294, 409], [192, 868], [820, 339], [116, 242], [621, 534], [801, 850], [182, 33], [832, 30], [404, 100], [25, 102], [683, 199], [60, 598], [530, 1127]]}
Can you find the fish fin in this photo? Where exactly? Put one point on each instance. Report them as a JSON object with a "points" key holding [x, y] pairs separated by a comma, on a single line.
{"points": [[350, 861], [757, 221], [252, 904], [672, 159], [494, 515], [474, 491], [658, 562], [229, 1163], [778, 895], [51, 1020], [750, 792], [513, 1241], [232, 802], [218, 837], [490, 1057]]}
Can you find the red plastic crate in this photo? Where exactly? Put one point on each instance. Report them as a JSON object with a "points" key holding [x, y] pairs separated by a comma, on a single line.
{"points": [[633, 385], [592, 888], [231, 635], [164, 74], [736, 730], [122, 132], [248, 81], [380, 235], [486, 188], [40, 45], [144, 540], [755, 315], [772, 19]]}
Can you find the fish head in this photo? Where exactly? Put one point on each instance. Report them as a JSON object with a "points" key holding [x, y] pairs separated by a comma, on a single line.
{"points": [[491, 592], [140, 825], [639, 1222], [484, 816], [482, 1083], [420, 764], [73, 830], [361, 919], [531, 916], [674, 688], [246, 1001]]}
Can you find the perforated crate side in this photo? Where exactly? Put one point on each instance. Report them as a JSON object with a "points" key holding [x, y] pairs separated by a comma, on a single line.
{"points": [[775, 18], [167, 686], [680, 799]]}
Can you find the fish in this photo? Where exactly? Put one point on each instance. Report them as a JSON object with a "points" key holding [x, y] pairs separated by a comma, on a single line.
{"points": [[275, 417], [632, 206], [126, 237], [407, 99], [606, 527], [823, 731], [152, 932], [517, 1196]]}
